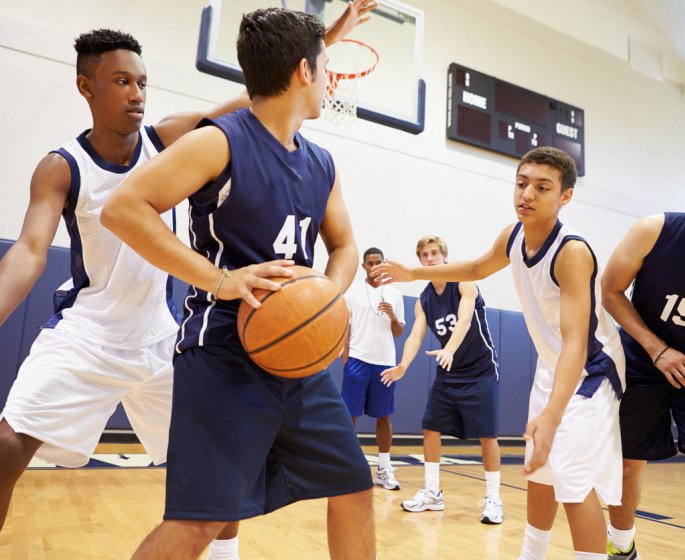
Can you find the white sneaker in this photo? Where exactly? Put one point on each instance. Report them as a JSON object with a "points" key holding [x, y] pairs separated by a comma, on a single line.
{"points": [[423, 500], [385, 477], [492, 513]]}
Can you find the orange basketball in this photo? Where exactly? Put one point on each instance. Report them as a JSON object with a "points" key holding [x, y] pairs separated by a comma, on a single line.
{"points": [[300, 329]]}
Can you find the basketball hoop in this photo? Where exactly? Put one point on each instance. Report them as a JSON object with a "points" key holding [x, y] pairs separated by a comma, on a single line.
{"points": [[355, 60]]}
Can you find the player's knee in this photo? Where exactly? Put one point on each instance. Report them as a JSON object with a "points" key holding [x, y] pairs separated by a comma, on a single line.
{"points": [[360, 501], [16, 451]]}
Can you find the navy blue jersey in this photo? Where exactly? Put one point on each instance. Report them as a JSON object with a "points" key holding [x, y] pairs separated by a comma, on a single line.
{"points": [[267, 204], [475, 359], [659, 297]]}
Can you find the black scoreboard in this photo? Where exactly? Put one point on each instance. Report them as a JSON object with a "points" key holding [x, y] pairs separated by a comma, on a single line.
{"points": [[498, 116]]}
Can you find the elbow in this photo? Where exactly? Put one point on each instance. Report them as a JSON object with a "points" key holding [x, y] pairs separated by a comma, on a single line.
{"points": [[112, 214]]}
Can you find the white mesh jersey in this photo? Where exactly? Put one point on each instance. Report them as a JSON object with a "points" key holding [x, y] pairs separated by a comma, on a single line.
{"points": [[115, 298], [539, 294]]}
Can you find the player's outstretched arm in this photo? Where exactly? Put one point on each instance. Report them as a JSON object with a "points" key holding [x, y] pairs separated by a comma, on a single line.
{"points": [[336, 233], [465, 271], [356, 13], [467, 305], [171, 128], [622, 268], [573, 270], [25, 261], [411, 347], [133, 214]]}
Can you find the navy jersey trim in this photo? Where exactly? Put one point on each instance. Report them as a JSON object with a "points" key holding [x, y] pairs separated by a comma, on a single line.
{"points": [[530, 263], [209, 193], [513, 235], [64, 299], [106, 165], [154, 138]]}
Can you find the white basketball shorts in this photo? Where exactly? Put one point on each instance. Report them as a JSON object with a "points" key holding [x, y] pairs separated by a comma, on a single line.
{"points": [[586, 451], [67, 389]]}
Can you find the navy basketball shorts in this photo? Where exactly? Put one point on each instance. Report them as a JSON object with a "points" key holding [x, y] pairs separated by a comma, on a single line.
{"points": [[463, 410], [645, 416], [363, 391], [243, 442]]}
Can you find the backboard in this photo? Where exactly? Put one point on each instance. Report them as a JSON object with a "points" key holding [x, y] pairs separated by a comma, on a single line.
{"points": [[393, 95]]}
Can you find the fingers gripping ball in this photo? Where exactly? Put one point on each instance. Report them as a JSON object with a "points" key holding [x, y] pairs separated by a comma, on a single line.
{"points": [[300, 329]]}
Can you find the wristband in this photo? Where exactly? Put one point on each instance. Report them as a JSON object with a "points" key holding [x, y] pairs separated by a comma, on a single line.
{"points": [[660, 354], [224, 274]]}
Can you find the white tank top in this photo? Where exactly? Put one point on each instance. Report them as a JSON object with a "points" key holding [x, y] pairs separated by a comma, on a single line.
{"points": [[539, 294], [115, 298]]}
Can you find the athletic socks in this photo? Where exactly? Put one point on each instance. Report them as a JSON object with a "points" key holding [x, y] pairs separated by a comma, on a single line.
{"points": [[432, 477], [535, 543], [589, 556], [621, 539], [492, 484], [383, 460], [224, 549]]}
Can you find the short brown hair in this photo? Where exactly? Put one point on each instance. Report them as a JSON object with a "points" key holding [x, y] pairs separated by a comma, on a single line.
{"points": [[555, 158], [427, 239]]}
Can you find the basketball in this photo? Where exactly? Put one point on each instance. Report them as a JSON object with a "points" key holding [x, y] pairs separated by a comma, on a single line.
{"points": [[300, 329]]}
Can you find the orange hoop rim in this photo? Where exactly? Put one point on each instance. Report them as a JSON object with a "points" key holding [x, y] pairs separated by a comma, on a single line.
{"points": [[335, 77]]}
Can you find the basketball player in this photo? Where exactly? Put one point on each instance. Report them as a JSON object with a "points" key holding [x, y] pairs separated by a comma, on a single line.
{"points": [[376, 316], [244, 442], [115, 312], [464, 398], [652, 321], [573, 440]]}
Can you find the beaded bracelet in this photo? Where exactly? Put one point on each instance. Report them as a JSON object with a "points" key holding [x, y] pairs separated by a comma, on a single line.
{"points": [[224, 274], [660, 354]]}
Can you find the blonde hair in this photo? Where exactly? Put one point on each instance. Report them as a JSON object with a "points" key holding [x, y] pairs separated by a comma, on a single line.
{"points": [[427, 239]]}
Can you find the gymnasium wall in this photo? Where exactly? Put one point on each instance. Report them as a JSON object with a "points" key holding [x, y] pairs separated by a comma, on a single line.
{"points": [[398, 187]]}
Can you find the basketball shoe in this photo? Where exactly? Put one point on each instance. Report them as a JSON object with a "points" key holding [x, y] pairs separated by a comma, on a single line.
{"points": [[385, 477], [492, 513], [630, 554], [424, 499]]}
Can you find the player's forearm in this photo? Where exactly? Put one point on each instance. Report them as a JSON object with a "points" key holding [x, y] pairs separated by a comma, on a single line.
{"points": [[396, 327], [464, 271], [342, 266], [140, 226], [457, 336], [566, 377], [20, 268], [411, 348], [625, 314]]}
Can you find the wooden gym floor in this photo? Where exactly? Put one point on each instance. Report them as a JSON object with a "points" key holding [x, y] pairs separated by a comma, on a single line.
{"points": [[103, 514]]}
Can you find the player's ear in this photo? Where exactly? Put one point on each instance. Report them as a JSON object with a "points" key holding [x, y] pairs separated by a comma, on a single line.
{"points": [[84, 86], [304, 73], [566, 196]]}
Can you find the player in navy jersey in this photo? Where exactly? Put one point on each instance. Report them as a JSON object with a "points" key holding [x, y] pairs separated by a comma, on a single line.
{"points": [[651, 258], [464, 398], [573, 443], [56, 410], [244, 442]]}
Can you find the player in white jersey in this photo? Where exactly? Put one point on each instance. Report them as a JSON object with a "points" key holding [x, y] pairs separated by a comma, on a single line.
{"points": [[376, 316], [573, 450], [111, 338]]}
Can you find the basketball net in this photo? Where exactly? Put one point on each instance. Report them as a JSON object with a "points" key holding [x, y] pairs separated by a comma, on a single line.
{"points": [[354, 61]]}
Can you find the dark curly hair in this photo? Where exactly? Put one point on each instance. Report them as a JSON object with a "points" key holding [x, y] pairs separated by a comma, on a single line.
{"points": [[91, 46], [271, 43], [555, 158]]}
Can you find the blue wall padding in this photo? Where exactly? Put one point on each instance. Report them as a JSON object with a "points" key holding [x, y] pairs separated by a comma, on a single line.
{"points": [[508, 330]]}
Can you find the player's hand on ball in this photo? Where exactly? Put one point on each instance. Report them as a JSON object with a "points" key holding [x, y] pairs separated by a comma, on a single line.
{"points": [[391, 271], [540, 430], [390, 375], [444, 357], [241, 281]]}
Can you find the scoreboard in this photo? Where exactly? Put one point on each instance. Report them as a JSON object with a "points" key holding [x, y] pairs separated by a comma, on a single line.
{"points": [[493, 114]]}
